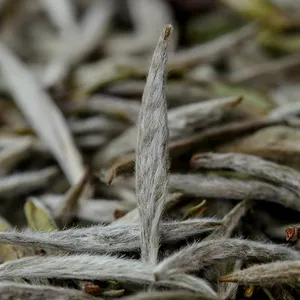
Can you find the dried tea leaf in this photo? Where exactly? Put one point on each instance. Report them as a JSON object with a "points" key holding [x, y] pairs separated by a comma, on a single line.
{"points": [[120, 167], [10, 251], [37, 216], [116, 107], [80, 40], [267, 274], [133, 216], [92, 267], [276, 143], [4, 225], [166, 295], [92, 76], [93, 58], [11, 156], [228, 290], [12, 290], [152, 153], [195, 211], [225, 188], [109, 70], [210, 51], [177, 91], [114, 238], [42, 113], [213, 135], [22, 183], [93, 210], [200, 255], [96, 125], [218, 134], [268, 69], [249, 164], [187, 119], [70, 205], [114, 293], [230, 221], [254, 102], [91, 142], [182, 121]]}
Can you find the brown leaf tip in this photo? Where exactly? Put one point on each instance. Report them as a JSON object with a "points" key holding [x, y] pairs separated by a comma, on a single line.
{"points": [[110, 176], [238, 101], [193, 161], [292, 234], [168, 31], [249, 291], [226, 278], [119, 213], [233, 103], [213, 224]]}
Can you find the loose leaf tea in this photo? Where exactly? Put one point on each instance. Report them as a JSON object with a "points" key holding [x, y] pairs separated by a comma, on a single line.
{"points": [[149, 149]]}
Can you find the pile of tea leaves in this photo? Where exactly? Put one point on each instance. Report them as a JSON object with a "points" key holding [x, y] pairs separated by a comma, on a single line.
{"points": [[149, 149]]}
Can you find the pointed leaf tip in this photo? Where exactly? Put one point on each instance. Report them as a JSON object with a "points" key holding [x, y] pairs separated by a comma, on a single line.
{"points": [[168, 30]]}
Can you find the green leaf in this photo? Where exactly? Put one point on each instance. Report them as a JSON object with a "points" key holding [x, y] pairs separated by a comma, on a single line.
{"points": [[38, 217], [9, 251]]}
